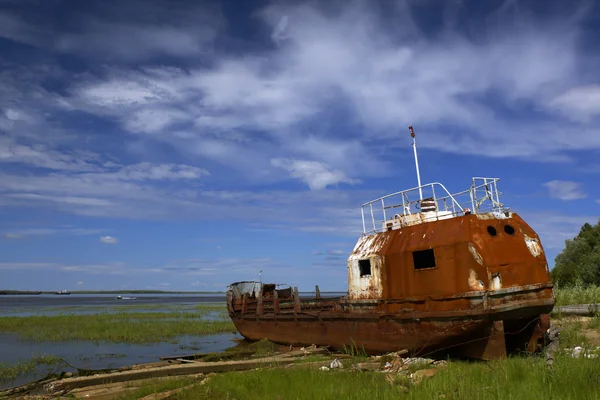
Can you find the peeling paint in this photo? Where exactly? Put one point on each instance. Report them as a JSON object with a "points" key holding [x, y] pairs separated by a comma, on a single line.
{"points": [[495, 215], [495, 282], [533, 245], [474, 282], [475, 254], [367, 286], [368, 245]]}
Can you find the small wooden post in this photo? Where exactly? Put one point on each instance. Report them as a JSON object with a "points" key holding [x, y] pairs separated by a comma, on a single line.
{"points": [[259, 308], [296, 300], [276, 302], [317, 292]]}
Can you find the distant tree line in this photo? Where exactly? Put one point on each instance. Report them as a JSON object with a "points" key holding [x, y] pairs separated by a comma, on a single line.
{"points": [[579, 262]]}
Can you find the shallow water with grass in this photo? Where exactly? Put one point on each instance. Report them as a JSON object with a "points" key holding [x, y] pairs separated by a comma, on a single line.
{"points": [[43, 334]]}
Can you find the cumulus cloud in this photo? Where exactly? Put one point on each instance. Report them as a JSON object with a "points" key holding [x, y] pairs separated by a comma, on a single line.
{"points": [[109, 240], [565, 190], [315, 174]]}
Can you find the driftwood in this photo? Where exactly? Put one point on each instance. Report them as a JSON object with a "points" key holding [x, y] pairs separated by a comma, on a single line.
{"points": [[577, 309], [189, 367]]}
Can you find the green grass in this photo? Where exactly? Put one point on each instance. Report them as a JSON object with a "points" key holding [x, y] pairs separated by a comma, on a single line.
{"points": [[121, 327], [514, 378], [10, 372], [577, 294]]}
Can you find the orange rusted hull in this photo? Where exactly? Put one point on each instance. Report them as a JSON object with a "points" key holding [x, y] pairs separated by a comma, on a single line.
{"points": [[339, 324], [473, 286]]}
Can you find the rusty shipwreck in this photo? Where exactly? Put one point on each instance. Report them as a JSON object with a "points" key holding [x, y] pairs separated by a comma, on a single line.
{"points": [[434, 272]]}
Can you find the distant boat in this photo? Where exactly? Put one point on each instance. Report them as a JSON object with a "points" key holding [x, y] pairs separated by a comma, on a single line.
{"points": [[119, 297], [63, 292]]}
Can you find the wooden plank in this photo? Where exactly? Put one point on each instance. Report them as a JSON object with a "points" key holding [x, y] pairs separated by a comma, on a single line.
{"points": [[182, 369]]}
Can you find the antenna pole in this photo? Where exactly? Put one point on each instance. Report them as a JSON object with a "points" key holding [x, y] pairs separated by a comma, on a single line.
{"points": [[412, 134]]}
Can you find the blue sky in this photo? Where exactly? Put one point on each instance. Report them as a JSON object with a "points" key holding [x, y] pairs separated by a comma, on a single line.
{"points": [[183, 145]]}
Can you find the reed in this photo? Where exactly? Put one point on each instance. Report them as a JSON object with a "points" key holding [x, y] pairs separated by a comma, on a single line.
{"points": [[10, 372], [121, 327], [578, 294]]}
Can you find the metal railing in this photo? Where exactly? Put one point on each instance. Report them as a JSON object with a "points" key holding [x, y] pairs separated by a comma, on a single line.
{"points": [[434, 202]]}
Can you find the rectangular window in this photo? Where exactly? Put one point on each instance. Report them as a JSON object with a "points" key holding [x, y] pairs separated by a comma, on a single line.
{"points": [[364, 266], [424, 259]]}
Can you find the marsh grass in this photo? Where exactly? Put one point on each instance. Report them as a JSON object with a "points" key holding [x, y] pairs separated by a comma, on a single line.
{"points": [[259, 348], [354, 351], [513, 378], [121, 327], [578, 294], [10, 372]]}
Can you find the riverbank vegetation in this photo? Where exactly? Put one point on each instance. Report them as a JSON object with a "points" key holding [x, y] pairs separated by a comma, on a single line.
{"points": [[577, 294], [521, 377], [10, 372], [132, 327]]}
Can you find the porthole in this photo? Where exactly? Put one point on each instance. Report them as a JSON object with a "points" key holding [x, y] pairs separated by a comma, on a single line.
{"points": [[509, 229], [491, 230]]}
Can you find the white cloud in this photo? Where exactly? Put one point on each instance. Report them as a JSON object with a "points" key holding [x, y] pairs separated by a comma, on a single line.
{"points": [[44, 157], [324, 63], [315, 174], [80, 283], [59, 230], [68, 200], [565, 190], [121, 32], [10, 235], [149, 171], [112, 269], [579, 103], [109, 240]]}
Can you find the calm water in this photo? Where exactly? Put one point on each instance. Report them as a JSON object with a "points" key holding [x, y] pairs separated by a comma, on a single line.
{"points": [[88, 355], [47, 302]]}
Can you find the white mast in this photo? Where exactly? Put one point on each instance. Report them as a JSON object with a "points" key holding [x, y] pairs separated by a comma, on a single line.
{"points": [[412, 133]]}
